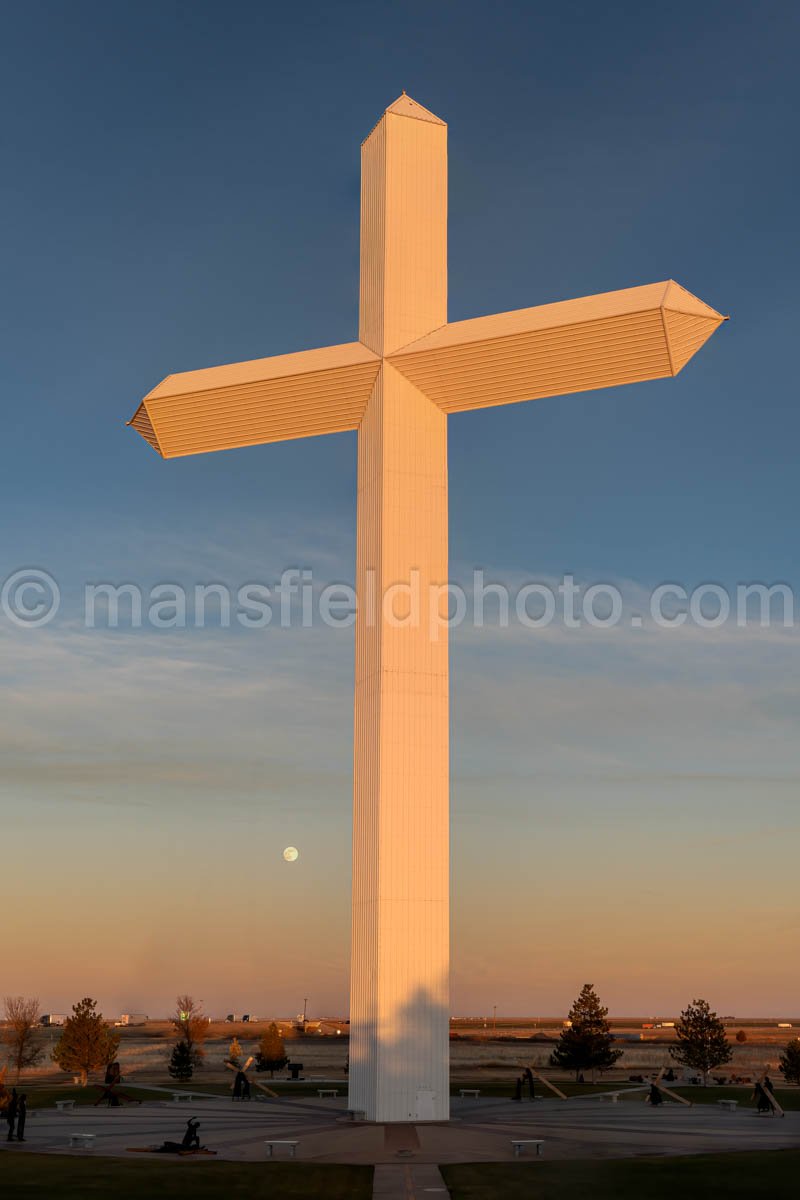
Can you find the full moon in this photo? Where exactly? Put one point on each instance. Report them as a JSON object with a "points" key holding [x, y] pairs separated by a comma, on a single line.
{"points": [[291, 854]]}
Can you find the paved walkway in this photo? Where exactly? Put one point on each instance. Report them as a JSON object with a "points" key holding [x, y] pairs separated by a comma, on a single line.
{"points": [[409, 1182], [479, 1132]]}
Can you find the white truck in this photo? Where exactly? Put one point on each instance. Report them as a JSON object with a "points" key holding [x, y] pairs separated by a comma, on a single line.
{"points": [[133, 1019]]}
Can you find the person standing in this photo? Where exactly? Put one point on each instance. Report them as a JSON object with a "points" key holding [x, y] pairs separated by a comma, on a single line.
{"points": [[11, 1114], [22, 1113]]}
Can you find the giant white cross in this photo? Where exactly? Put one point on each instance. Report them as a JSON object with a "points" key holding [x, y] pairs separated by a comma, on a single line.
{"points": [[396, 386]]}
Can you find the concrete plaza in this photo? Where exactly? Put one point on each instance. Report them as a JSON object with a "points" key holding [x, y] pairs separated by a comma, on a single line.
{"points": [[480, 1131]]}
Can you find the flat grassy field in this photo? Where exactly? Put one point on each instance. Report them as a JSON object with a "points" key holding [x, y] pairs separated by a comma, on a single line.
{"points": [[774, 1174], [62, 1178], [45, 1097], [284, 1089], [788, 1098]]}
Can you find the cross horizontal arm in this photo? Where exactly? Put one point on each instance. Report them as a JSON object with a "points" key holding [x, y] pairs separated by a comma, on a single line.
{"points": [[573, 346], [264, 400]]}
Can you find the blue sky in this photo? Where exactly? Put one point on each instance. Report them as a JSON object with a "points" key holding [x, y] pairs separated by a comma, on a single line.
{"points": [[181, 189]]}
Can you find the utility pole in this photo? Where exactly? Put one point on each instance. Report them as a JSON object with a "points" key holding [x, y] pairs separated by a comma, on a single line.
{"points": [[305, 1004], [494, 1017]]}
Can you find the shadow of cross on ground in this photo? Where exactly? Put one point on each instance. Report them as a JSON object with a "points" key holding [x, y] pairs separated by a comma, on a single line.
{"points": [[400, 1138], [407, 1182]]}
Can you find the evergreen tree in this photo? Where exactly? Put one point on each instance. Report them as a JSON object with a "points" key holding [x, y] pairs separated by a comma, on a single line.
{"points": [[271, 1053], [702, 1041], [86, 1043], [587, 1043], [789, 1061], [741, 1036], [181, 1062], [235, 1053]]}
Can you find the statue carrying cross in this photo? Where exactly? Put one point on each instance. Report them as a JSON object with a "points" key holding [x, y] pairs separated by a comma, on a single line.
{"points": [[396, 386]]}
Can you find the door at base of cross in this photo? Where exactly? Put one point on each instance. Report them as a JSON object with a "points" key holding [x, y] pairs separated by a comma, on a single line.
{"points": [[426, 1104]]}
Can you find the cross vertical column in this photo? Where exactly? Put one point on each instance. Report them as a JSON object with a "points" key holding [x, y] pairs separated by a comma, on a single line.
{"points": [[399, 1005]]}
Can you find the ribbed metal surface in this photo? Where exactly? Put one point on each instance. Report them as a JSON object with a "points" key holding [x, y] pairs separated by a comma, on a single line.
{"points": [[399, 1001], [525, 366], [686, 333], [373, 238], [140, 421], [404, 106], [267, 400], [574, 345], [403, 231], [678, 299]]}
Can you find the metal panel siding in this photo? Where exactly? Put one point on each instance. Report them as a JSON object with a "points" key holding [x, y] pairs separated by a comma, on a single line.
{"points": [[373, 239], [404, 106], [542, 316], [686, 333], [256, 370], [140, 421], [399, 1000], [549, 362], [678, 299], [621, 303], [270, 400], [403, 231], [574, 345]]}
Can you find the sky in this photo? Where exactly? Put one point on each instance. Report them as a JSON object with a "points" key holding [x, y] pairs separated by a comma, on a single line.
{"points": [[181, 189]]}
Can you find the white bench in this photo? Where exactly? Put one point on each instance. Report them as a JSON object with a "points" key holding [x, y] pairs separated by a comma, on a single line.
{"points": [[730, 1105], [178, 1096], [323, 1092], [65, 1105], [611, 1097], [474, 1092], [518, 1144], [81, 1141], [271, 1142]]}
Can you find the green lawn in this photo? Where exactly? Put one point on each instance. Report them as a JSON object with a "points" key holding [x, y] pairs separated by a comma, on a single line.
{"points": [[505, 1087], [62, 1178], [44, 1096], [774, 1174], [282, 1086], [788, 1098]]}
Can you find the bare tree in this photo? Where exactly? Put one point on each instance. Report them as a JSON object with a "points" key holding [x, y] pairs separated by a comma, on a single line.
{"points": [[191, 1026], [21, 1033]]}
